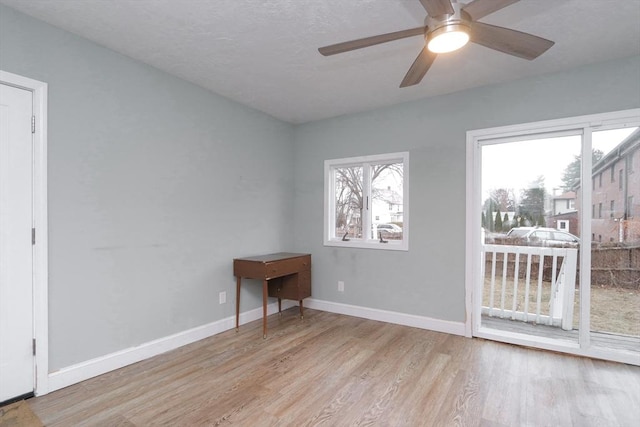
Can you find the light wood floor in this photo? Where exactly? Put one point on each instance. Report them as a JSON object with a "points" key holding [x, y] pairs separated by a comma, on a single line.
{"points": [[337, 370]]}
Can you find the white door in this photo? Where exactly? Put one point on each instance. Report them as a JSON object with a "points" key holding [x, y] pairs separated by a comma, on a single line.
{"points": [[16, 256]]}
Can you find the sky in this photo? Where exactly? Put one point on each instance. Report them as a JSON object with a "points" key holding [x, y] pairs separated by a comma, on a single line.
{"points": [[514, 165]]}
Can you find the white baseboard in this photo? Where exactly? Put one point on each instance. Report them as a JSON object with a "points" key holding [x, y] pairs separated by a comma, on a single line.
{"points": [[101, 365], [446, 326]]}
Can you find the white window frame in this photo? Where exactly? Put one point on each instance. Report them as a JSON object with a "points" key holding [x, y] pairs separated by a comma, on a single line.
{"points": [[329, 202]]}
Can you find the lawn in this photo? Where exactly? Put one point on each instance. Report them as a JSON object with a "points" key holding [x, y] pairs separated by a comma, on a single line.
{"points": [[613, 310]]}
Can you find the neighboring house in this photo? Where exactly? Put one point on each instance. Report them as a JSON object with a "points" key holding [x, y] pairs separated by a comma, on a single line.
{"points": [[563, 203], [563, 213], [615, 196], [387, 207], [567, 221]]}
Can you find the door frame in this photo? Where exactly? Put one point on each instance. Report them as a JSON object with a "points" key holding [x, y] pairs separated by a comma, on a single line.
{"points": [[40, 248], [583, 125]]}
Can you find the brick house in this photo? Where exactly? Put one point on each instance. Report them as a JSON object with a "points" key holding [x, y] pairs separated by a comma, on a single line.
{"points": [[615, 196]]}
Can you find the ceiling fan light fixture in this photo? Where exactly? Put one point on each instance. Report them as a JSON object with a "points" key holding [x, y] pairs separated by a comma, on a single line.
{"points": [[448, 38]]}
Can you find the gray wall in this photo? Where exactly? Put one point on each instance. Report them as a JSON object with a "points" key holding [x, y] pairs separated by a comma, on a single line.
{"points": [[154, 186], [428, 280]]}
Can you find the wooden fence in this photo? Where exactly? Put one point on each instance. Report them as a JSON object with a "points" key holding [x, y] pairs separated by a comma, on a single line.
{"points": [[612, 264], [616, 266]]}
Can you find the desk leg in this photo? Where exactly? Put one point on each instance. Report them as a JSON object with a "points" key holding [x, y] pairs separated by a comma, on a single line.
{"points": [[265, 289], [280, 306], [238, 303], [301, 310]]}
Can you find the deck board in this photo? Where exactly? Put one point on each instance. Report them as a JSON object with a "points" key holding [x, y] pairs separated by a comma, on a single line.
{"points": [[598, 339]]}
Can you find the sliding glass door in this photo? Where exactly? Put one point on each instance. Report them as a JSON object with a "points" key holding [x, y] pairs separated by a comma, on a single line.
{"points": [[554, 235], [615, 236], [530, 229]]}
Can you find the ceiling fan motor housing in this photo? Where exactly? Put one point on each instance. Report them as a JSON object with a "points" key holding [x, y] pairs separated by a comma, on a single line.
{"points": [[437, 25]]}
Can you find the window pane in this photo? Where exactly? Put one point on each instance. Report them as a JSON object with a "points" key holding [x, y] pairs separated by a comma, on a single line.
{"points": [[530, 269], [615, 264], [387, 207], [363, 193], [348, 202]]}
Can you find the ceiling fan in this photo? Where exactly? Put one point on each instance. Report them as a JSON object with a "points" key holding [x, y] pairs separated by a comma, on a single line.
{"points": [[449, 25]]}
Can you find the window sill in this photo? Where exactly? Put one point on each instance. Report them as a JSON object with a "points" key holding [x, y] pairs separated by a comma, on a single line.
{"points": [[373, 244]]}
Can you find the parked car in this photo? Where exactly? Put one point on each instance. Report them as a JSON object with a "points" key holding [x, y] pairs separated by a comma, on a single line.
{"points": [[542, 236], [390, 229]]}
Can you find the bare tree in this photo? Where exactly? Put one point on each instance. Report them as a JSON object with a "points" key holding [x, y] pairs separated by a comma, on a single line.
{"points": [[504, 199], [350, 195]]}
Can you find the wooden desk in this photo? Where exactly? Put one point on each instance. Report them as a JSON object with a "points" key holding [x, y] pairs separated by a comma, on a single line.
{"points": [[284, 275]]}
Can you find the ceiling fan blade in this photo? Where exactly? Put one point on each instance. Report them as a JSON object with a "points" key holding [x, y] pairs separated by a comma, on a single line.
{"points": [[370, 41], [506, 40], [437, 7], [419, 68], [478, 9]]}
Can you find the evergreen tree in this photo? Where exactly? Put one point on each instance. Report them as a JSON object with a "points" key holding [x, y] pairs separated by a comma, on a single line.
{"points": [[532, 200], [571, 174], [484, 221], [490, 208], [498, 223], [506, 224]]}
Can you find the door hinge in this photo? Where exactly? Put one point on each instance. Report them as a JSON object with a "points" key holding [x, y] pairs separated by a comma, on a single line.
{"points": [[34, 346], [33, 124], [33, 236]]}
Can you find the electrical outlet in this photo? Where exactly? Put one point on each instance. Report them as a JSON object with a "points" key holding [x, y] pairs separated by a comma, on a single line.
{"points": [[223, 297], [340, 286]]}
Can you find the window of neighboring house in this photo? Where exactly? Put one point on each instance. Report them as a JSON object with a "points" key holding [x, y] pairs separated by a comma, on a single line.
{"points": [[613, 173], [620, 180], [629, 213], [611, 208], [599, 180], [600, 210], [593, 211], [572, 204], [359, 195]]}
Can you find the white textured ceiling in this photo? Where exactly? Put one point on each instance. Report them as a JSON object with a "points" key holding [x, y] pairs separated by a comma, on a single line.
{"points": [[263, 53]]}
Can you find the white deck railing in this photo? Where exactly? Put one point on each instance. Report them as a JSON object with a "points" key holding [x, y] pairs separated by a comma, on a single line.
{"points": [[559, 300]]}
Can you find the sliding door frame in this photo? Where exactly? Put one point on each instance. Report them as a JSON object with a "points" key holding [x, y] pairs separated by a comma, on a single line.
{"points": [[581, 125]]}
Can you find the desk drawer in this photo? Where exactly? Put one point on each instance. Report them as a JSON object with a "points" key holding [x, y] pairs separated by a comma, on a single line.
{"points": [[287, 266], [294, 286]]}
